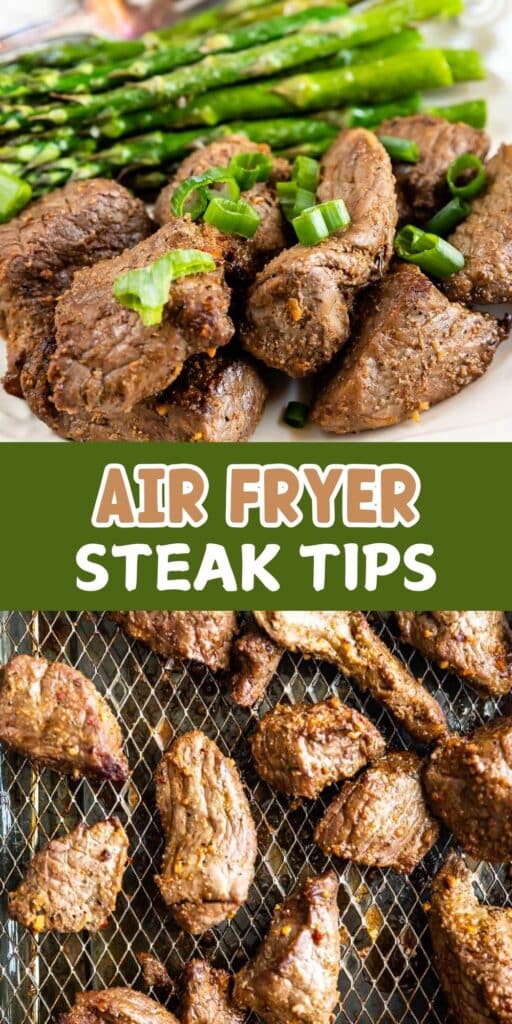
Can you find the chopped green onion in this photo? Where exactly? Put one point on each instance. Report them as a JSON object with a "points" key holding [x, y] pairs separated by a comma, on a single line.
{"points": [[447, 218], [14, 195], [248, 168], [318, 222], [233, 217], [294, 199], [146, 290], [405, 150], [193, 194], [463, 163], [306, 173], [296, 414], [433, 254]]}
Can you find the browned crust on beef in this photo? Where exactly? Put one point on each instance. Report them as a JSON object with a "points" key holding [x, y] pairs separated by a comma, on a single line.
{"points": [[206, 996], [199, 636], [381, 819], [117, 1006], [154, 972], [73, 882], [411, 349], [254, 661], [210, 838], [52, 714], [300, 749]]}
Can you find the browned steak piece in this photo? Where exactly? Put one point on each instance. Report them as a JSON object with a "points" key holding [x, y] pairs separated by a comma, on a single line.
{"points": [[210, 839], [154, 972], [117, 1006], [411, 349], [206, 996], [469, 786], [42, 248], [302, 748], [293, 979], [473, 948], [475, 645], [380, 819], [199, 636], [243, 257], [254, 662], [422, 187], [105, 358], [214, 399], [54, 715], [297, 314], [346, 640], [485, 239], [73, 882]]}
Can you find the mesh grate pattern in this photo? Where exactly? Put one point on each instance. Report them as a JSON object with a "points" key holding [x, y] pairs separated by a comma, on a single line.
{"points": [[386, 972]]}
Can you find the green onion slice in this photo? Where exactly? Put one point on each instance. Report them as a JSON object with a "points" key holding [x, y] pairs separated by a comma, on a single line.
{"points": [[318, 222], [447, 218], [306, 172], [193, 195], [404, 150], [232, 217], [296, 414], [433, 254], [459, 168], [14, 195], [146, 290], [293, 198], [248, 168]]}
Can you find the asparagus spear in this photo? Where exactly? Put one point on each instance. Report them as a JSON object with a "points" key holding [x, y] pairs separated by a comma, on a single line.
{"points": [[69, 52], [466, 65], [258, 62], [473, 112]]}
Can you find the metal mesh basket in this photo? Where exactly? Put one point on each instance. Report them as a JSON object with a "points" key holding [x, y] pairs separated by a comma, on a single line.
{"points": [[386, 971]]}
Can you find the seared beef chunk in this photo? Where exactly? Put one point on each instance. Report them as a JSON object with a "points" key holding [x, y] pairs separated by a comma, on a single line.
{"points": [[475, 645], [243, 257], [473, 948], [293, 979], [422, 187], [42, 248], [199, 636], [469, 786], [254, 662], [297, 314], [105, 358], [303, 748], [381, 819], [54, 715], [210, 839], [214, 399], [73, 882], [485, 239], [346, 640], [206, 996], [117, 1006], [154, 972], [412, 349]]}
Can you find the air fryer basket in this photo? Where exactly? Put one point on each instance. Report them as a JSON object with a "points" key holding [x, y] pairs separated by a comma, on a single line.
{"points": [[386, 976]]}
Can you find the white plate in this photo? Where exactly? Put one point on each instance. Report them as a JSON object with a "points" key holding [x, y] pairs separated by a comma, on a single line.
{"points": [[483, 411]]}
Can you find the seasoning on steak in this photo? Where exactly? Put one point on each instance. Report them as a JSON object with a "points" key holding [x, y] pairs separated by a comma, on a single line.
{"points": [[302, 748], [41, 249], [293, 979], [411, 349], [105, 357], [380, 819], [473, 948], [210, 838], [117, 1006], [469, 786], [154, 972], [206, 997], [485, 239], [297, 314], [346, 640], [199, 636], [54, 715], [422, 187], [243, 257], [254, 662], [475, 645], [73, 882]]}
